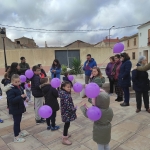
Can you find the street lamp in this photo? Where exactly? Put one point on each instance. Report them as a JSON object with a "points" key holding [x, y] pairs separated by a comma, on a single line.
{"points": [[109, 34], [3, 35]]}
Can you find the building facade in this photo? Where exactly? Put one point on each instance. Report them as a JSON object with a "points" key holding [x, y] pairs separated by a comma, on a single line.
{"points": [[144, 40], [131, 44]]}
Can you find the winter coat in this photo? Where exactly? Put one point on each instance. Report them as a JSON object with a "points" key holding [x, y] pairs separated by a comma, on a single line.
{"points": [[16, 102], [68, 111], [89, 64], [124, 78], [140, 80], [102, 127], [57, 73], [50, 95], [24, 67], [35, 86], [108, 69], [66, 79], [99, 81]]}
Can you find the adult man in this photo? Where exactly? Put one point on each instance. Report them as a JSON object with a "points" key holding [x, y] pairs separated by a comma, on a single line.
{"points": [[88, 65], [23, 65]]}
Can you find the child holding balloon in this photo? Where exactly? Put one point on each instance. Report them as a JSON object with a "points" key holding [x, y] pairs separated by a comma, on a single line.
{"points": [[50, 95], [102, 126], [68, 111]]}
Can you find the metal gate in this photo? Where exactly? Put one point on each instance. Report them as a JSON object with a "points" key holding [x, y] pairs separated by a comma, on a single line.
{"points": [[65, 57]]}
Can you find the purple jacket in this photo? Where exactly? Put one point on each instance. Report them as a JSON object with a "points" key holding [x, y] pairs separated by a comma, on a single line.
{"points": [[109, 69]]}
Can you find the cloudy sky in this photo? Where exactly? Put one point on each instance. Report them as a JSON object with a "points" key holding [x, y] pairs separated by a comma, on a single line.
{"points": [[72, 15]]}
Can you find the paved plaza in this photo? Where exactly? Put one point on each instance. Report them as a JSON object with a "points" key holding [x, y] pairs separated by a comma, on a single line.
{"points": [[130, 131]]}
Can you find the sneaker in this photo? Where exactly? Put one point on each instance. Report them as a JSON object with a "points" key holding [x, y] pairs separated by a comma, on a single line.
{"points": [[22, 134], [39, 122], [49, 128], [124, 104], [19, 140], [1, 121], [55, 128]]}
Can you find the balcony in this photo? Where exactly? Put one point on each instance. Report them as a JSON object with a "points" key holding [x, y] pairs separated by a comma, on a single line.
{"points": [[148, 44]]}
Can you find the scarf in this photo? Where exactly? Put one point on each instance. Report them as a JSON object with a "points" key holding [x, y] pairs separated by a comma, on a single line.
{"points": [[113, 72]]}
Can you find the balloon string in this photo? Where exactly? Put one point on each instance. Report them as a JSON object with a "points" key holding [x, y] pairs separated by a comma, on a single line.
{"points": [[104, 61]]}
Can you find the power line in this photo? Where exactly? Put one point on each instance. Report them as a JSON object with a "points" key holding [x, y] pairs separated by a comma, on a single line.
{"points": [[81, 31]]}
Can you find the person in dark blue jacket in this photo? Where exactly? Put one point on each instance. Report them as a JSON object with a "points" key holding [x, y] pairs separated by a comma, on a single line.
{"points": [[16, 99], [124, 78], [37, 92], [88, 66], [141, 85]]}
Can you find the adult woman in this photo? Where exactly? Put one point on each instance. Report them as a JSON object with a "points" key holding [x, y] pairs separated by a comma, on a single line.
{"points": [[108, 71], [14, 69], [97, 78], [42, 74], [124, 78], [55, 69], [141, 85], [114, 76]]}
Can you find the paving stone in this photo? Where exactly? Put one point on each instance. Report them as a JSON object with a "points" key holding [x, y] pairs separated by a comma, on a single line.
{"points": [[138, 142], [30, 144]]}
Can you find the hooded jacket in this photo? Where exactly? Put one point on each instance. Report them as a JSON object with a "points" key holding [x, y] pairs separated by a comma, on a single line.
{"points": [[88, 65], [16, 102], [24, 67], [102, 127], [50, 95], [140, 80]]}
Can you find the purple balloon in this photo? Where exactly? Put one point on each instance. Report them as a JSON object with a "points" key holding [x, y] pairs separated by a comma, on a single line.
{"points": [[29, 74], [77, 87], [55, 82], [94, 113], [92, 90], [70, 77], [23, 78], [118, 48], [45, 111]]}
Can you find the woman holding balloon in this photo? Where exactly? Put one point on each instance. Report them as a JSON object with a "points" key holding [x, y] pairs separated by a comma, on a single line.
{"points": [[55, 69]]}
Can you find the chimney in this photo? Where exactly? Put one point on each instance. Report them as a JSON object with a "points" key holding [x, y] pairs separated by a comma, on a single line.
{"points": [[45, 44]]}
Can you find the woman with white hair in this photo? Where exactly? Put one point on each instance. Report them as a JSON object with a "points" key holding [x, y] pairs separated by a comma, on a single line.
{"points": [[141, 85]]}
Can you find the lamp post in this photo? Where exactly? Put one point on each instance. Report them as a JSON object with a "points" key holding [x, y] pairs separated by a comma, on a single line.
{"points": [[3, 35], [109, 34]]}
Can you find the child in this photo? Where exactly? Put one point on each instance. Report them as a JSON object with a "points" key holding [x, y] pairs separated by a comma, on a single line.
{"points": [[28, 90], [50, 95], [97, 78], [101, 127], [68, 111], [16, 99], [65, 78], [37, 93]]}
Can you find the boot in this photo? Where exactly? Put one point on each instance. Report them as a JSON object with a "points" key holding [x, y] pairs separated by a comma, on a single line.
{"points": [[120, 99], [65, 140]]}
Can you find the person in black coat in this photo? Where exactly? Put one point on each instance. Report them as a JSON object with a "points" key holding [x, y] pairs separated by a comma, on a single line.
{"points": [[50, 95], [124, 78], [141, 85], [16, 99], [37, 93]]}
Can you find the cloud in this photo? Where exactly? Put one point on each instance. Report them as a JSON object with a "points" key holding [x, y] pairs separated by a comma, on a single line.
{"points": [[72, 14]]}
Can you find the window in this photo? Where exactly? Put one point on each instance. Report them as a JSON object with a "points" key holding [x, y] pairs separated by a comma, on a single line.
{"points": [[128, 43], [134, 41], [133, 55]]}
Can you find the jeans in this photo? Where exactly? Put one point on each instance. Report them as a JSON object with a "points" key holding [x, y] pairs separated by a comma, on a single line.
{"points": [[52, 118], [126, 94], [17, 121], [103, 147], [139, 99], [87, 78], [111, 84], [38, 102], [66, 127], [28, 93]]}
